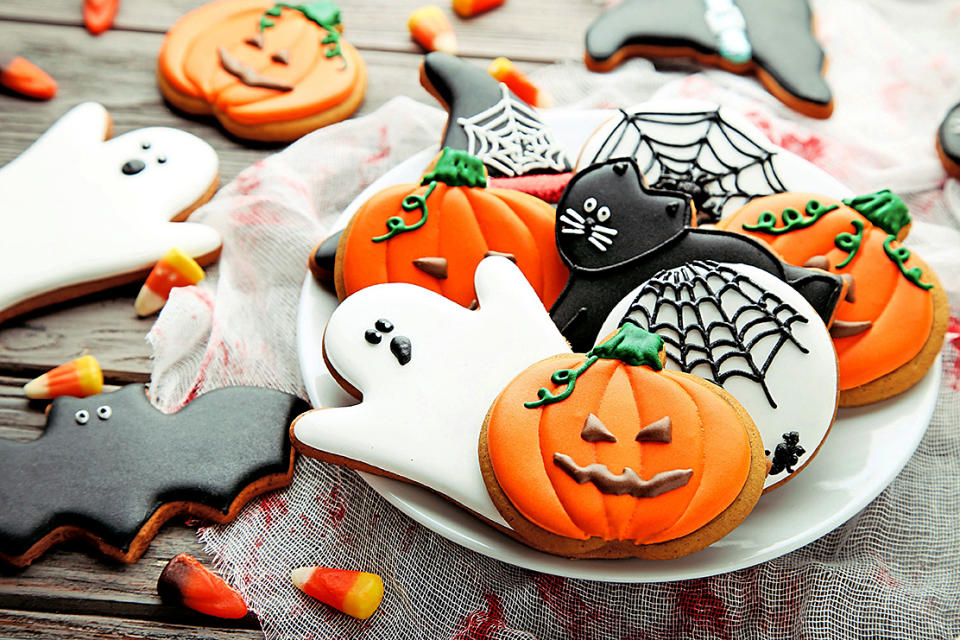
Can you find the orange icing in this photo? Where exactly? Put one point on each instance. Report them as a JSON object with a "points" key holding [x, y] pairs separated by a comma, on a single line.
{"points": [[190, 63], [901, 312], [462, 225], [707, 437]]}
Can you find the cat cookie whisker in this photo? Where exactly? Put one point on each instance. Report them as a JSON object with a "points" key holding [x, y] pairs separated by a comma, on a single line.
{"points": [[607, 230], [579, 232], [571, 222], [597, 244], [573, 214]]}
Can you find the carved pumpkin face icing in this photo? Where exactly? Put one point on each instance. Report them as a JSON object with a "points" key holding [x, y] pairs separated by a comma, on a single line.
{"points": [[894, 309], [267, 71], [613, 450], [435, 234]]}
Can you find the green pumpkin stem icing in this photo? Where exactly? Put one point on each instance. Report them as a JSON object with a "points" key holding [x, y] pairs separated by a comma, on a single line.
{"points": [[396, 224], [883, 208], [791, 218], [849, 242], [631, 345], [899, 256], [457, 168], [324, 13]]}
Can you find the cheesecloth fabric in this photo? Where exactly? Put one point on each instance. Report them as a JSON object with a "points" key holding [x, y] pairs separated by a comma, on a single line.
{"points": [[893, 571]]}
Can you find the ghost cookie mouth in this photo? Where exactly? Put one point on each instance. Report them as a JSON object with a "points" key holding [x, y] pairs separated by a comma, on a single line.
{"points": [[626, 483]]}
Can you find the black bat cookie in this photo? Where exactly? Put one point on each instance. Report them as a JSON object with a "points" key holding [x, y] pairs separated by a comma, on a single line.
{"points": [[615, 233], [772, 38], [948, 142], [112, 469]]}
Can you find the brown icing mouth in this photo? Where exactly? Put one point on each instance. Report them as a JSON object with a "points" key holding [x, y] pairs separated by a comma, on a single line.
{"points": [[248, 75], [626, 483]]}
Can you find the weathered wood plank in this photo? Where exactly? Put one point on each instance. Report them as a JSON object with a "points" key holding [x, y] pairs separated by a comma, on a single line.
{"points": [[536, 30], [69, 580], [83, 64], [21, 625]]}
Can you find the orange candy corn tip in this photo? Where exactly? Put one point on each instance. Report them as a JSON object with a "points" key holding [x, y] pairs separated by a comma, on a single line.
{"points": [[468, 8], [175, 269], [80, 378], [20, 75], [356, 593], [432, 30], [184, 581], [517, 81], [98, 15]]}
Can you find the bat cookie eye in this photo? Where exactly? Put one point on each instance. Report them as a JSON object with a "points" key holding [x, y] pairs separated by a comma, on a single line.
{"points": [[603, 214], [590, 205], [373, 337], [82, 416], [104, 412]]}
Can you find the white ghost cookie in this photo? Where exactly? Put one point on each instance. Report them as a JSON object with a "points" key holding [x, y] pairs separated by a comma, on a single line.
{"points": [[754, 335], [428, 370], [82, 213]]}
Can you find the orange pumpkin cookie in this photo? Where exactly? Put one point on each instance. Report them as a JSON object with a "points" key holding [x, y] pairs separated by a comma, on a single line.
{"points": [[267, 71], [606, 454], [436, 233], [891, 326]]}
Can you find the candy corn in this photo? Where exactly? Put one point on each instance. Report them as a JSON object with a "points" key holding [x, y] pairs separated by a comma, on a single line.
{"points": [[176, 269], [186, 582], [468, 8], [98, 15], [20, 75], [80, 378], [356, 593], [517, 81], [431, 29]]}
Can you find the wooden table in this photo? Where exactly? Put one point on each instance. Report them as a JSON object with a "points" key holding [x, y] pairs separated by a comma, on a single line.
{"points": [[68, 593]]}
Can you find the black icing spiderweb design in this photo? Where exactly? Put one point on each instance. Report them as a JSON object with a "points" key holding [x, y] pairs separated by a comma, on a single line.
{"points": [[697, 153], [710, 314]]}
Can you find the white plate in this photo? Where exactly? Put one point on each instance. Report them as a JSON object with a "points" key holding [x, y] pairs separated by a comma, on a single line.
{"points": [[864, 452]]}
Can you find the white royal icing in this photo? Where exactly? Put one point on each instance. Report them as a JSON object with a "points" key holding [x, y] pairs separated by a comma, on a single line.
{"points": [[678, 136], [70, 214], [803, 386], [422, 420]]}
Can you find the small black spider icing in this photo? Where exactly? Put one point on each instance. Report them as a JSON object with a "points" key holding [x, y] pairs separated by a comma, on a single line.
{"points": [[373, 337], [383, 325], [787, 454]]}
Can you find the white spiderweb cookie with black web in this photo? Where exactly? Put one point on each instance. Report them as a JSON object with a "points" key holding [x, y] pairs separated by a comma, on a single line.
{"points": [[755, 336], [711, 153]]}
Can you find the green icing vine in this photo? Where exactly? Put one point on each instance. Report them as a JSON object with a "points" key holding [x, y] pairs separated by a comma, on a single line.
{"points": [[791, 218], [631, 345], [396, 224], [900, 256], [324, 13], [883, 208], [849, 242], [457, 168]]}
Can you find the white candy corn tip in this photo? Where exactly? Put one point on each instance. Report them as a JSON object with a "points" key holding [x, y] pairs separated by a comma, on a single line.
{"points": [[446, 42], [148, 302], [37, 388], [300, 576]]}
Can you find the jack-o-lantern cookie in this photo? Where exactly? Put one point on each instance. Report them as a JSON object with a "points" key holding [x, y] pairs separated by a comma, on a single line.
{"points": [[891, 325], [606, 454], [267, 71], [773, 40], [436, 233]]}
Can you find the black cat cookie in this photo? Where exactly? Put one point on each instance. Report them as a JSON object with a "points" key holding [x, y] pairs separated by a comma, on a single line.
{"points": [[111, 469], [948, 142], [772, 39], [614, 233]]}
